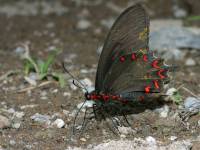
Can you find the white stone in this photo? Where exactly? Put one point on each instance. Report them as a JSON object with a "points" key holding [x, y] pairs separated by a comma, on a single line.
{"points": [[59, 123], [16, 125], [83, 139], [171, 91], [30, 81], [164, 112], [55, 91], [67, 94], [28, 106], [83, 24], [190, 62], [151, 140], [173, 138], [19, 114]]}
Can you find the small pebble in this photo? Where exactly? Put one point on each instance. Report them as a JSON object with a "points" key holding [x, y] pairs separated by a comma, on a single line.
{"points": [[67, 94], [83, 24], [190, 62], [123, 136], [44, 98], [163, 111], [4, 122], [59, 123], [173, 138], [41, 118], [84, 71], [171, 91], [19, 50], [192, 103], [28, 106], [30, 81], [16, 125], [83, 139], [198, 123], [43, 93], [66, 112], [151, 140], [12, 142], [19, 114], [55, 91]]}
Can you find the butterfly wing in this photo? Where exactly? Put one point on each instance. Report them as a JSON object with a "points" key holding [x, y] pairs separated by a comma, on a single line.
{"points": [[129, 33]]}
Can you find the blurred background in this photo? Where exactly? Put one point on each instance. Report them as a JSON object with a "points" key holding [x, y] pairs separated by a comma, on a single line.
{"points": [[32, 30]]}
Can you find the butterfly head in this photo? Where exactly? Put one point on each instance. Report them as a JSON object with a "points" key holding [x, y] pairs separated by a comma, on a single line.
{"points": [[87, 96]]}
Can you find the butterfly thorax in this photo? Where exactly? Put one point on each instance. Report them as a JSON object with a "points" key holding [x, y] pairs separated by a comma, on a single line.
{"points": [[101, 97]]}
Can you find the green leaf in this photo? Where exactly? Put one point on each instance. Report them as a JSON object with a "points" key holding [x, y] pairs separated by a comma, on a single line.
{"points": [[48, 62], [193, 18], [28, 67], [60, 78], [177, 98]]}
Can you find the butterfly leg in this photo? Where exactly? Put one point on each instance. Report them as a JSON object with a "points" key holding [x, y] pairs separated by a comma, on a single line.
{"points": [[125, 118], [74, 123], [85, 121]]}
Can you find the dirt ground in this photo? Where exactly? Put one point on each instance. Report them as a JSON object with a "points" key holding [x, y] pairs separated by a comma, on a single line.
{"points": [[78, 46]]}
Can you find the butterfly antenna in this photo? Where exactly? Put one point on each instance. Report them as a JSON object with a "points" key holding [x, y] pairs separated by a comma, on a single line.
{"points": [[74, 78]]}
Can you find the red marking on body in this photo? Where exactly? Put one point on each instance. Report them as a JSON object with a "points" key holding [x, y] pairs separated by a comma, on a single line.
{"points": [[98, 97], [105, 97], [147, 89], [145, 57], [160, 73], [156, 85], [133, 56], [155, 64], [122, 58], [114, 97], [94, 97]]}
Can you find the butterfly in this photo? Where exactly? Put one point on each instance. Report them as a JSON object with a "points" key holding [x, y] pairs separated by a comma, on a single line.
{"points": [[128, 72]]}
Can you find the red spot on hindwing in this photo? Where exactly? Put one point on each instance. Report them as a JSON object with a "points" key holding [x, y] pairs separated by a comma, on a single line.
{"points": [[145, 57], [156, 85], [155, 64], [160, 73], [147, 89], [133, 56]]}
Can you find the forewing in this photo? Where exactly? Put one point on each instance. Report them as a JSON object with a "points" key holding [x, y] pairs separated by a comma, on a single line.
{"points": [[128, 34]]}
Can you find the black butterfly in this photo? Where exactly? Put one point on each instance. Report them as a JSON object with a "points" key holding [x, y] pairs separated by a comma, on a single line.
{"points": [[127, 72]]}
